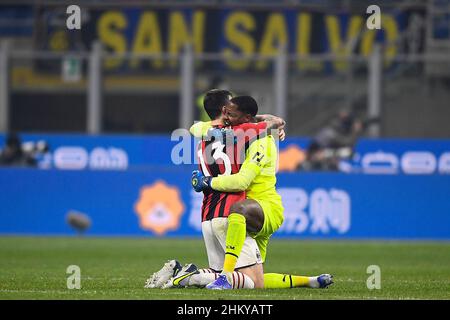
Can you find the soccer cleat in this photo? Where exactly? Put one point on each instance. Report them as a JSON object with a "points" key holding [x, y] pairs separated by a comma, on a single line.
{"points": [[221, 283], [181, 279], [325, 280], [169, 270]]}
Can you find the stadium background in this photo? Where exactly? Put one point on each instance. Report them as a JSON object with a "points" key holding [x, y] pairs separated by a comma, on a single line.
{"points": [[106, 100]]}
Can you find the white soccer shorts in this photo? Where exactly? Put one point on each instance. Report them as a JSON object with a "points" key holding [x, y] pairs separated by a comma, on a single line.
{"points": [[215, 233]]}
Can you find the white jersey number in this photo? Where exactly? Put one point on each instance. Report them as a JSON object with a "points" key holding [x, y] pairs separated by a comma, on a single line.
{"points": [[217, 148]]}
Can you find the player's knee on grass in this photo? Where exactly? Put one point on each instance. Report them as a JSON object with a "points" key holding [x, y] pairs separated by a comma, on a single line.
{"points": [[256, 273], [253, 213]]}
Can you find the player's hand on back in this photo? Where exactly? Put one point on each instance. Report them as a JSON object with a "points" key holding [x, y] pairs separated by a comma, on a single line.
{"points": [[281, 134], [273, 122]]}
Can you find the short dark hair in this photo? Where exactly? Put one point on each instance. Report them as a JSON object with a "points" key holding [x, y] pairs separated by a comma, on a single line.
{"points": [[246, 104], [214, 100]]}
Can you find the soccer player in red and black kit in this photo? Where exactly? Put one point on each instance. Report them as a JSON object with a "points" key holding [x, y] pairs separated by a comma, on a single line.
{"points": [[222, 153], [216, 157]]}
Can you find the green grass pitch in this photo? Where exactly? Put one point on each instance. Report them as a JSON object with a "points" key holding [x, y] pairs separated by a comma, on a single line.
{"points": [[116, 268]]}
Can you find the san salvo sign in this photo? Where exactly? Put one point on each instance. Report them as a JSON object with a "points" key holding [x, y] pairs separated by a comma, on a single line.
{"points": [[231, 31]]}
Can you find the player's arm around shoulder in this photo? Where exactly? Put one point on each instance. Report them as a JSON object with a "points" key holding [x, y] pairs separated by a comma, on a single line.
{"points": [[254, 161], [273, 122], [200, 129]]}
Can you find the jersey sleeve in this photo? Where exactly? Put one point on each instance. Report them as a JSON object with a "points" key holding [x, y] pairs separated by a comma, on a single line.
{"points": [[199, 129], [248, 132], [255, 160], [258, 126]]}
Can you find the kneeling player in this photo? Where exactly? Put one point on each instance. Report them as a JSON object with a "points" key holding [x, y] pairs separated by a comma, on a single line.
{"points": [[214, 230]]}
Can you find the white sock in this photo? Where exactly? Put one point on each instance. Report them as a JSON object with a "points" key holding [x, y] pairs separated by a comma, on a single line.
{"points": [[241, 281], [206, 276]]}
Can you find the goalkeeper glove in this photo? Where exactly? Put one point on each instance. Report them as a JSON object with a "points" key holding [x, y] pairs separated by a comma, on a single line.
{"points": [[200, 182]]}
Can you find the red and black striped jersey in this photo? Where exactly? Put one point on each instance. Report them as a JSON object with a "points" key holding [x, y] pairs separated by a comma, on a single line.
{"points": [[219, 158]]}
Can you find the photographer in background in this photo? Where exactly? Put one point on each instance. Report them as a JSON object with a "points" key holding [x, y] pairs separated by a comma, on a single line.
{"points": [[333, 143], [14, 155]]}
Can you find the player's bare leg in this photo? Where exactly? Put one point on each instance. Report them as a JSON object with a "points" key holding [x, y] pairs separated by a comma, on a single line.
{"points": [[256, 273], [245, 216], [253, 216], [253, 213]]}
